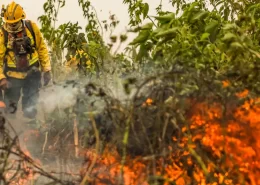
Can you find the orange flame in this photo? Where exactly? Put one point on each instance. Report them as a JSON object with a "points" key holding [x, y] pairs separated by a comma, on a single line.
{"points": [[234, 145]]}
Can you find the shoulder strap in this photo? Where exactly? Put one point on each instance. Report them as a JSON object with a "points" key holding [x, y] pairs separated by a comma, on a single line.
{"points": [[28, 24]]}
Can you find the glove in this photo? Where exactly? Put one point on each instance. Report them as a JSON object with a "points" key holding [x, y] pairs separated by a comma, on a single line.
{"points": [[4, 84], [46, 78]]}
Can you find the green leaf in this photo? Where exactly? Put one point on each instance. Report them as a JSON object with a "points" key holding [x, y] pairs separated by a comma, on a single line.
{"points": [[167, 32], [157, 30], [123, 37], [165, 18], [211, 26], [236, 45], [200, 15], [204, 36], [142, 37], [193, 6], [229, 26], [145, 10], [147, 26], [63, 4], [142, 52], [229, 36], [226, 13], [113, 38]]}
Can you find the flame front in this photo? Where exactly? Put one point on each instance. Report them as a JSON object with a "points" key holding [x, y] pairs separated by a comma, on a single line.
{"points": [[217, 147]]}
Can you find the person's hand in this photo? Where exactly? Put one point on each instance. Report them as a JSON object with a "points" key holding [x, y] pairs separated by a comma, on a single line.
{"points": [[46, 78], [4, 84]]}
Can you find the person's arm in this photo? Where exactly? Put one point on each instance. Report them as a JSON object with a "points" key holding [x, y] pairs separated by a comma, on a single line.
{"points": [[2, 54], [41, 48]]}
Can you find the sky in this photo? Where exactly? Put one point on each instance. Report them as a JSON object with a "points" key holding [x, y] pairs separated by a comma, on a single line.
{"points": [[72, 12]]}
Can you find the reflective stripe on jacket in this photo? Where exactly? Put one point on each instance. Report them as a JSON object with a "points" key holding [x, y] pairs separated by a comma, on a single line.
{"points": [[40, 54]]}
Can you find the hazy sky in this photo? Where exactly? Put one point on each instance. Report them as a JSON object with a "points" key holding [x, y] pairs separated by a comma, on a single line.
{"points": [[72, 12]]}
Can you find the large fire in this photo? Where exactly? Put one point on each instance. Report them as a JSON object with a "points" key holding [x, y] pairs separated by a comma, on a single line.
{"points": [[231, 140], [216, 147]]}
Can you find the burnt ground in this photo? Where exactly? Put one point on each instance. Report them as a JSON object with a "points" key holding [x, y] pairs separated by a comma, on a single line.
{"points": [[38, 143]]}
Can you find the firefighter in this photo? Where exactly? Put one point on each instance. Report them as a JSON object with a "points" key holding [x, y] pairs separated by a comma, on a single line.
{"points": [[24, 60]]}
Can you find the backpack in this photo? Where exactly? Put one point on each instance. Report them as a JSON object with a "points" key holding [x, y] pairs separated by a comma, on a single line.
{"points": [[28, 24]]}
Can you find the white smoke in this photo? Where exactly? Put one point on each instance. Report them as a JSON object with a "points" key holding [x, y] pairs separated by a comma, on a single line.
{"points": [[58, 96], [65, 95]]}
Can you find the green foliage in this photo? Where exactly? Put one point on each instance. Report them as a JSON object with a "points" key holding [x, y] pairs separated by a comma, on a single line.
{"points": [[70, 37], [206, 40], [138, 11]]}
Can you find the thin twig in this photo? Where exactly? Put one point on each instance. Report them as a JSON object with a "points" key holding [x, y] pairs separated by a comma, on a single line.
{"points": [[76, 136], [45, 142], [125, 143]]}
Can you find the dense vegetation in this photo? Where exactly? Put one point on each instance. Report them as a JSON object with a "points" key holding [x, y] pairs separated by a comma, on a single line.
{"points": [[189, 106]]}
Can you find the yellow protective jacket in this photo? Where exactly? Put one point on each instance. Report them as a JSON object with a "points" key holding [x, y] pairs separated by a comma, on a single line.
{"points": [[40, 54]]}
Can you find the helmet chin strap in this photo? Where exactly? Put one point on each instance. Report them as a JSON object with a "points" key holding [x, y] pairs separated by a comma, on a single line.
{"points": [[14, 29]]}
